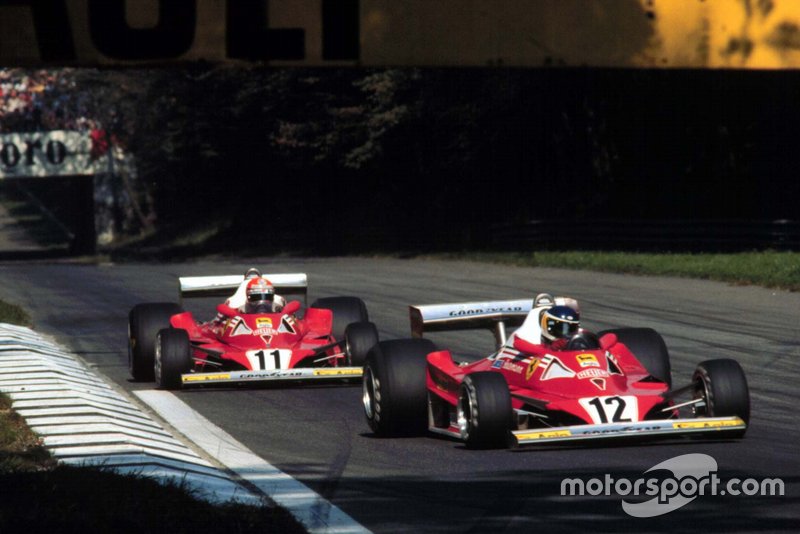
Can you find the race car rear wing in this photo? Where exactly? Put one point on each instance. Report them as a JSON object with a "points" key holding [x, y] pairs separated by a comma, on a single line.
{"points": [[224, 286], [491, 315]]}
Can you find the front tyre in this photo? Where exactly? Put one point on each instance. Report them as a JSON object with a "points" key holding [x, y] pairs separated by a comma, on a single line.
{"points": [[359, 339], [722, 386], [484, 410], [345, 310], [394, 391], [173, 357], [144, 323], [649, 348]]}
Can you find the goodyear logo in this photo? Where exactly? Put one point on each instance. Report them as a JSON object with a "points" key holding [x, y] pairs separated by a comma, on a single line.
{"points": [[466, 312], [707, 424], [206, 378], [545, 434], [587, 360], [338, 372]]}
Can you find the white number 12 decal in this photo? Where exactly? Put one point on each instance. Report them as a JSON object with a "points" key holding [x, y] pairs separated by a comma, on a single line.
{"points": [[621, 409]]}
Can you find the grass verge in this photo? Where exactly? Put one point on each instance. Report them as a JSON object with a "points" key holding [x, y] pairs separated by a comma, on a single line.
{"points": [[38, 495], [10, 313], [779, 270]]}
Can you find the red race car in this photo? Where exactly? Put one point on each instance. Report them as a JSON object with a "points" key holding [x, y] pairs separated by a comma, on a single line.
{"points": [[549, 381], [255, 336]]}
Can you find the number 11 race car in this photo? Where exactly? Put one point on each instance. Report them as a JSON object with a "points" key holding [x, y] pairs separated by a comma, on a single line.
{"points": [[615, 384], [327, 340]]}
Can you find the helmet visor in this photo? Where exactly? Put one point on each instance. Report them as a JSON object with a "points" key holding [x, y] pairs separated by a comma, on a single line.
{"points": [[560, 328], [253, 298]]}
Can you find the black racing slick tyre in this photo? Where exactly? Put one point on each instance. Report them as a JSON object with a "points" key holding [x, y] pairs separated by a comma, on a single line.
{"points": [[649, 348], [722, 386], [345, 310], [395, 395], [173, 357], [359, 339], [144, 323], [484, 410]]}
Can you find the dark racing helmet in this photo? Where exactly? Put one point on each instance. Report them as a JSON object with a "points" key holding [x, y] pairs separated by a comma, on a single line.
{"points": [[559, 322], [260, 294]]}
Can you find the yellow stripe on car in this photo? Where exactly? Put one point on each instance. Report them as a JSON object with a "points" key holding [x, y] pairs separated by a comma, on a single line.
{"points": [[708, 424], [544, 434], [338, 372], [206, 378]]}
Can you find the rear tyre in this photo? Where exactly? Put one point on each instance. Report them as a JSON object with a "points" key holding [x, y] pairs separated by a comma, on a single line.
{"points": [[173, 357], [723, 387], [394, 389], [144, 323], [345, 310], [359, 339], [649, 348], [484, 410]]}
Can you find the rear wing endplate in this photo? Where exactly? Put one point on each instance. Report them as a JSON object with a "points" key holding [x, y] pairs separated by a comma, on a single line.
{"points": [[224, 286]]}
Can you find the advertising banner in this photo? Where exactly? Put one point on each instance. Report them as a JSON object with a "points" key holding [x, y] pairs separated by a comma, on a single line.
{"points": [[742, 34], [55, 153]]}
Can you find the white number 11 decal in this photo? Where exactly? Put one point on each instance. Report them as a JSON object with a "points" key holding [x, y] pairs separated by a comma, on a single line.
{"points": [[263, 360]]}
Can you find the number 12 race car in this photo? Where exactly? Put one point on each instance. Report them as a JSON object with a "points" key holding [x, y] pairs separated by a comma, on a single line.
{"points": [[328, 340], [616, 384]]}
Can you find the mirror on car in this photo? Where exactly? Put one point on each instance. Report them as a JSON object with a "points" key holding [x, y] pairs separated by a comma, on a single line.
{"points": [[292, 307]]}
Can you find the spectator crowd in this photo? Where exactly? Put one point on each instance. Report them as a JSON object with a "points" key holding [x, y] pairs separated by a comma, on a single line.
{"points": [[42, 100]]}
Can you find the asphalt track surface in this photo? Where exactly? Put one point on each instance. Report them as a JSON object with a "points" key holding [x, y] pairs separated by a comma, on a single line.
{"points": [[432, 484]]}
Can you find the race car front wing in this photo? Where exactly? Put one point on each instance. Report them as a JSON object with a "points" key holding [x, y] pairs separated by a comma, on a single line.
{"points": [[305, 373], [621, 430]]}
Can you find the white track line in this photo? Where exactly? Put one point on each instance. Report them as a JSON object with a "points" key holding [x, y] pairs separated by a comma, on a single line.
{"points": [[314, 512]]}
